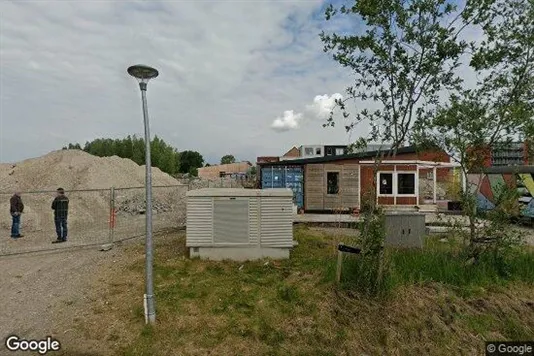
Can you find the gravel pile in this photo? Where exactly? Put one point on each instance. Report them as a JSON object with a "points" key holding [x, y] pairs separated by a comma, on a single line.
{"points": [[137, 205]]}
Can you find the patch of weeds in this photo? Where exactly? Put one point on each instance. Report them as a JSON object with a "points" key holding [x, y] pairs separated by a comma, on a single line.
{"points": [[210, 337], [138, 312], [215, 269], [268, 334], [514, 330], [288, 293], [147, 331], [235, 300], [481, 324], [451, 267], [239, 327]]}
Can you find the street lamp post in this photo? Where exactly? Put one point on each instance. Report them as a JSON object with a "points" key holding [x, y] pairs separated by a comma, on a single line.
{"points": [[144, 74]]}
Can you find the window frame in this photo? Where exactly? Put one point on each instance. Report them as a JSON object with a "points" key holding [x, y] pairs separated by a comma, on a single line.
{"points": [[338, 187], [415, 184], [395, 190], [308, 151], [392, 184], [340, 151]]}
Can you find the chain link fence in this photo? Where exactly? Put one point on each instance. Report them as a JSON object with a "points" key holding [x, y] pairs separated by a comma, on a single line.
{"points": [[95, 217], [223, 182]]}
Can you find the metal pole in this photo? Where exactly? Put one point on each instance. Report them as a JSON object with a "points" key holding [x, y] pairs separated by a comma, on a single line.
{"points": [[150, 312]]}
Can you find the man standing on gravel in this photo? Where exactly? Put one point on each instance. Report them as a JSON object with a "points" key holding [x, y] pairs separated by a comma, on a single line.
{"points": [[60, 205], [16, 209]]}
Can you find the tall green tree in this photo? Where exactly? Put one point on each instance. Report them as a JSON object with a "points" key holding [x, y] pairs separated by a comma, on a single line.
{"points": [[402, 57], [500, 108], [163, 155], [406, 54], [127, 147], [138, 155], [190, 160], [227, 159]]}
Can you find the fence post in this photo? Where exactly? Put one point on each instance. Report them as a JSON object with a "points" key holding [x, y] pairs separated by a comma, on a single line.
{"points": [[111, 214]]}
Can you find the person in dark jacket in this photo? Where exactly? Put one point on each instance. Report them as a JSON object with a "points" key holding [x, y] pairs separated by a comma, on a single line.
{"points": [[60, 205], [16, 209]]}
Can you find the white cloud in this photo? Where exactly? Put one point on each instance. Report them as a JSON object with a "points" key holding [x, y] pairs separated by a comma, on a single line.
{"points": [[288, 121], [322, 105], [319, 110]]}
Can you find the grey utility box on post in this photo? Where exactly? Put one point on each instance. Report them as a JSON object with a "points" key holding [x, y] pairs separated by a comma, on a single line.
{"points": [[405, 229]]}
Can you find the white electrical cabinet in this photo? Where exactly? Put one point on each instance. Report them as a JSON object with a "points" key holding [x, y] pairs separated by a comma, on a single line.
{"points": [[239, 224]]}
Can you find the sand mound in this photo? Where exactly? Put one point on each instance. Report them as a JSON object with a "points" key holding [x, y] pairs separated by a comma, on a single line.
{"points": [[76, 170]]}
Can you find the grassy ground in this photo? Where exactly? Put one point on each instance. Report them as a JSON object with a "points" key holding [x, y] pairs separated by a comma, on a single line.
{"points": [[435, 307]]}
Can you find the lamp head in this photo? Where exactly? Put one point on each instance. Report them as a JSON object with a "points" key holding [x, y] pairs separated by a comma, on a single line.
{"points": [[142, 72]]}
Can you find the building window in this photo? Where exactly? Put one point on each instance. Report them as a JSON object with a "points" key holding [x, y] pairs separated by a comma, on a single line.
{"points": [[406, 183], [329, 151], [308, 151], [340, 151], [386, 183], [332, 180], [318, 151], [397, 184]]}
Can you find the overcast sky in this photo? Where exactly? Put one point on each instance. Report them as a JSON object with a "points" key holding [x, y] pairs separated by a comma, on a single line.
{"points": [[242, 77]]}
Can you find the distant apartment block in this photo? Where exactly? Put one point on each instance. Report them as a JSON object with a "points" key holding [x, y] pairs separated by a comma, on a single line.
{"points": [[309, 151], [314, 151], [513, 154], [330, 151]]}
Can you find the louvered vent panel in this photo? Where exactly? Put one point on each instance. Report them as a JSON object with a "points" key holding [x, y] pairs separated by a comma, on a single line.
{"points": [[230, 220]]}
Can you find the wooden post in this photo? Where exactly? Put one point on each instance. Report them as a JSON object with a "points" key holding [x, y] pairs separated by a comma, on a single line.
{"points": [[339, 263]]}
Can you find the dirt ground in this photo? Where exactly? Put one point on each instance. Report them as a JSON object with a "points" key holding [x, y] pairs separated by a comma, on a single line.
{"points": [[52, 294]]}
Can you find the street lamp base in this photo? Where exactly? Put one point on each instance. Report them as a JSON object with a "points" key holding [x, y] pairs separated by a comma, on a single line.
{"points": [[150, 317]]}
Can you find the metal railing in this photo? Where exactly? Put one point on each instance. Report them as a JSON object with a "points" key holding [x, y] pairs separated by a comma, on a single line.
{"points": [[95, 217]]}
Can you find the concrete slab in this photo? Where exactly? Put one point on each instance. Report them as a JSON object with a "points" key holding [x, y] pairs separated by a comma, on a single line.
{"points": [[347, 218], [325, 218], [238, 253]]}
